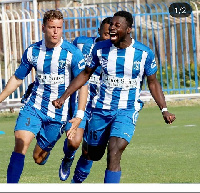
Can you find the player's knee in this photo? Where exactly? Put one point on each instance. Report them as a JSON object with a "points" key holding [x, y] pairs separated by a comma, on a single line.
{"points": [[116, 146], [74, 144], [41, 160], [114, 154], [76, 141], [95, 153], [37, 159]]}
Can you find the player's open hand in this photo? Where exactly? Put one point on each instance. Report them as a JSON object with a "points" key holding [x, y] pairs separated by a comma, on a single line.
{"points": [[168, 117], [72, 131], [58, 103]]}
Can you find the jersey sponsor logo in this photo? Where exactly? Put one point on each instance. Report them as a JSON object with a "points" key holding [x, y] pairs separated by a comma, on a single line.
{"points": [[153, 64], [50, 78], [81, 64], [124, 83]]}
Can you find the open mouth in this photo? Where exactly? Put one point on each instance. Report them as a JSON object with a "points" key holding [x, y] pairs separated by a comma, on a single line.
{"points": [[113, 36]]}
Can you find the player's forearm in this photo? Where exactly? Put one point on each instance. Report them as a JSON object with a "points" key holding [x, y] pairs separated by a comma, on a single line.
{"points": [[10, 87], [157, 94], [82, 98], [156, 91]]}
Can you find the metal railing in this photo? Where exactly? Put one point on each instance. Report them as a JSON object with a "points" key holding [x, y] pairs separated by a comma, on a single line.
{"points": [[175, 41]]}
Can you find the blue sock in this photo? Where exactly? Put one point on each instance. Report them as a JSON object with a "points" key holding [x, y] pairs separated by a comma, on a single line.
{"points": [[15, 167], [68, 153], [112, 177], [82, 170]]}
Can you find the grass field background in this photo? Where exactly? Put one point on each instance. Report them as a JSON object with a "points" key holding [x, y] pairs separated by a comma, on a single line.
{"points": [[158, 153]]}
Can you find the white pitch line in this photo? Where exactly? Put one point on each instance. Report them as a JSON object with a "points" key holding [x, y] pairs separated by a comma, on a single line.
{"points": [[189, 125]]}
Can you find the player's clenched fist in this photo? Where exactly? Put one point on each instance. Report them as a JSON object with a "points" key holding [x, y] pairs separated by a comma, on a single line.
{"points": [[168, 117], [58, 103]]}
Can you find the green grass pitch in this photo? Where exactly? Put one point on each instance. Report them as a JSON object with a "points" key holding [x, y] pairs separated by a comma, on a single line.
{"points": [[158, 153]]}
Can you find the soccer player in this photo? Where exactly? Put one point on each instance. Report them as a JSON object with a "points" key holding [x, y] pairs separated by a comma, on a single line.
{"points": [[55, 61], [125, 62], [85, 44]]}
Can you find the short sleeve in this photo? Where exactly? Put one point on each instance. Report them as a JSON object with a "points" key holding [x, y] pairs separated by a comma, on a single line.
{"points": [[24, 67], [78, 62], [92, 60], [150, 64]]}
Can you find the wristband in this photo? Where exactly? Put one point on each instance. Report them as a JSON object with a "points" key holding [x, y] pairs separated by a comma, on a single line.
{"points": [[80, 114], [164, 109]]}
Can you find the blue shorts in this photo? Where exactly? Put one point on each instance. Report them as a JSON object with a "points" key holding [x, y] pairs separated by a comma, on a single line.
{"points": [[46, 129], [111, 123]]}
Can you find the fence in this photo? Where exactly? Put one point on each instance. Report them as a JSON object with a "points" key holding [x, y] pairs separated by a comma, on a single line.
{"points": [[175, 41]]}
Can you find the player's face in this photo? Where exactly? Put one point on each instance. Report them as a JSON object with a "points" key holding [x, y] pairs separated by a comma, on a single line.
{"points": [[53, 32], [104, 32], [119, 30]]}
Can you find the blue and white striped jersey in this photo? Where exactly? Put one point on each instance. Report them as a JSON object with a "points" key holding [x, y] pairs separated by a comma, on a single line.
{"points": [[86, 44], [54, 70], [123, 74]]}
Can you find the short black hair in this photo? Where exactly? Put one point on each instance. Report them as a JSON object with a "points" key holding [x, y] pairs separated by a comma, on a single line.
{"points": [[127, 15], [107, 20]]}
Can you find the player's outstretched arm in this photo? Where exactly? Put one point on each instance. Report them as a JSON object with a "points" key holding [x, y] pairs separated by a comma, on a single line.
{"points": [[76, 83], [157, 94], [11, 86]]}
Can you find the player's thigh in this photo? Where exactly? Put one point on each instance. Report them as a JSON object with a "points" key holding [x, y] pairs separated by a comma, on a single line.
{"points": [[77, 139], [28, 120], [27, 126], [98, 132], [123, 126], [23, 139], [49, 134], [94, 153], [116, 146], [39, 154], [99, 127]]}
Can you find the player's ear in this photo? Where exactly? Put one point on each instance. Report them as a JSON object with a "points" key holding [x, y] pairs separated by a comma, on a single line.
{"points": [[129, 29], [43, 28]]}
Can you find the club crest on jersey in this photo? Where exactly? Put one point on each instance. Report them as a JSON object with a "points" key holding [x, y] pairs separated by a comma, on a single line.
{"points": [[103, 62], [136, 65], [61, 64]]}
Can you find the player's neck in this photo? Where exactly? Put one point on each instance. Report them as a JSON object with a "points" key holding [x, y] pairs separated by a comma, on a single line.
{"points": [[124, 44], [51, 45]]}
